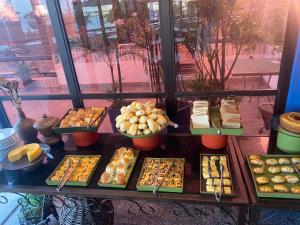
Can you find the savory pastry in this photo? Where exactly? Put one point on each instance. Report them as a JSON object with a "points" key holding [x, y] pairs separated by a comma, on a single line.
{"points": [[265, 188], [295, 160], [297, 166], [214, 158], [218, 189], [259, 170], [231, 123], [121, 178], [226, 182], [209, 181], [217, 182], [205, 175], [124, 126], [141, 119], [106, 178], [251, 157], [278, 179], [274, 169], [296, 189], [283, 161], [83, 117], [121, 169], [257, 162], [291, 179], [215, 174], [226, 174], [280, 188], [210, 188], [111, 169], [262, 180], [287, 169], [272, 162], [125, 161], [223, 158], [227, 190]]}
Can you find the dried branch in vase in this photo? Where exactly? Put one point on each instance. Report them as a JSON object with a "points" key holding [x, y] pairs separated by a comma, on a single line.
{"points": [[10, 89]]}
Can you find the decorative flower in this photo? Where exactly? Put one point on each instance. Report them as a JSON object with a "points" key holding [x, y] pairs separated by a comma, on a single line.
{"points": [[10, 89], [134, 14]]}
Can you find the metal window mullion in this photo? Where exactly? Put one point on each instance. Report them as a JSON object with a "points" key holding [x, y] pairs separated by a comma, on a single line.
{"points": [[4, 121], [168, 55], [224, 93], [64, 49]]}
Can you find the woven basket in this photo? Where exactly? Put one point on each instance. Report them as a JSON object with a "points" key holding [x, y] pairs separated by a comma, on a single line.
{"points": [[87, 211]]}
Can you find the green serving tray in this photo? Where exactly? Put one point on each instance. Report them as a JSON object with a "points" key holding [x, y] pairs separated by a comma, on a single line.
{"points": [[69, 130], [74, 183], [269, 175], [203, 182], [215, 116], [161, 189], [130, 169]]}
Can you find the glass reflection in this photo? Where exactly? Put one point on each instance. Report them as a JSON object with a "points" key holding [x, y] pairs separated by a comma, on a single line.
{"points": [[28, 50], [115, 44], [228, 44]]}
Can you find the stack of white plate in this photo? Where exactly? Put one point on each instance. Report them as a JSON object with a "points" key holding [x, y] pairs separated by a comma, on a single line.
{"points": [[9, 140]]}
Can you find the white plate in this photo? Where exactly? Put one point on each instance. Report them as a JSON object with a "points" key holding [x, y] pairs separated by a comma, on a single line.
{"points": [[6, 132]]}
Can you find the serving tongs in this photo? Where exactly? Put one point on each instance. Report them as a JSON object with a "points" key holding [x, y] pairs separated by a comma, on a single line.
{"points": [[172, 124], [296, 169], [159, 183], [218, 195], [69, 172]]}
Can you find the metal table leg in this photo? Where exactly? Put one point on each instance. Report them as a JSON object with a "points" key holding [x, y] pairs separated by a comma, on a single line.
{"points": [[254, 215]]}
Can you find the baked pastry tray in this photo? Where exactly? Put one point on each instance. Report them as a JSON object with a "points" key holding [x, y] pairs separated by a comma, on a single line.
{"points": [[74, 183], [68, 130], [161, 188], [231, 177], [270, 175], [142, 135], [130, 169], [215, 116]]}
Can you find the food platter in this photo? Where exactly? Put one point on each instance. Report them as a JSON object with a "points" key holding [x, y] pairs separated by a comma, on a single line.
{"points": [[114, 183], [142, 135], [23, 164], [214, 181], [215, 119], [87, 161], [269, 172], [169, 180], [68, 130]]}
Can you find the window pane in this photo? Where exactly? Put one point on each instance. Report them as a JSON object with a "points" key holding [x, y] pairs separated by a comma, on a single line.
{"points": [[28, 51], [115, 44], [35, 109], [256, 113], [228, 44]]}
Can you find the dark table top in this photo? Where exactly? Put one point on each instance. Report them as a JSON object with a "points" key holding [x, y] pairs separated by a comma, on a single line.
{"points": [[185, 146], [258, 145]]}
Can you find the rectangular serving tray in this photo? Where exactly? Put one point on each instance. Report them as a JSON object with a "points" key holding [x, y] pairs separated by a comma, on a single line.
{"points": [[161, 189], [202, 180], [215, 116], [69, 130], [269, 175], [74, 183], [114, 184]]}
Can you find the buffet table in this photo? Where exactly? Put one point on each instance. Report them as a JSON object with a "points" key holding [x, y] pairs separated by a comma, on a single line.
{"points": [[259, 146], [185, 146]]}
